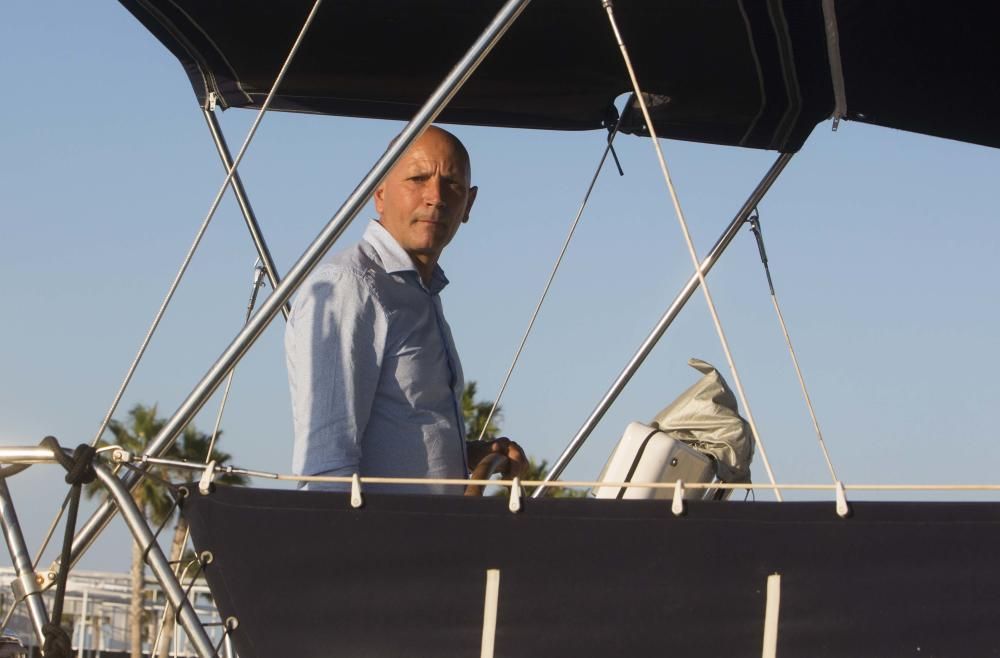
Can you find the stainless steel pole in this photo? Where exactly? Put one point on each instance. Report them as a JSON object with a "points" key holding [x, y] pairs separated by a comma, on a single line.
{"points": [[312, 255], [244, 203], [647, 345], [19, 555], [157, 561]]}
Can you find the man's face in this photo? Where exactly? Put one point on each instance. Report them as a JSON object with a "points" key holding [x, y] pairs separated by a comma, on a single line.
{"points": [[426, 196]]}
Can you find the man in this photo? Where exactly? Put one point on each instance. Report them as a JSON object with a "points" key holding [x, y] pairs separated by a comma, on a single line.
{"points": [[375, 379]]}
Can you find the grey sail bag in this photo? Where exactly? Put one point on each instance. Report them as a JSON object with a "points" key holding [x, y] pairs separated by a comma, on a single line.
{"points": [[706, 417]]}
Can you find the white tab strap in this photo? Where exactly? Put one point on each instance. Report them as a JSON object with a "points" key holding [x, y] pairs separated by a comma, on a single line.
{"points": [[677, 506], [356, 499], [205, 484], [843, 509], [771, 610], [515, 496], [490, 612]]}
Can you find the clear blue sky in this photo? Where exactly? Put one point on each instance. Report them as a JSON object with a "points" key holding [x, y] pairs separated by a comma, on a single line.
{"points": [[883, 246]]}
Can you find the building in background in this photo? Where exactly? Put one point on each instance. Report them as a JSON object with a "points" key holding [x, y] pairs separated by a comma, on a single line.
{"points": [[96, 613]]}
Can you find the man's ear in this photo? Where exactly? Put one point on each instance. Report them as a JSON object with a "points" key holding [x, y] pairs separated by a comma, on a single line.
{"points": [[468, 204], [379, 198]]}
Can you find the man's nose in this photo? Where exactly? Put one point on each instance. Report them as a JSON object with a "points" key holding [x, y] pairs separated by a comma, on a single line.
{"points": [[434, 192]]}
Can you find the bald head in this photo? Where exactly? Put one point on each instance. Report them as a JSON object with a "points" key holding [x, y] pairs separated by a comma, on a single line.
{"points": [[426, 196], [435, 133]]}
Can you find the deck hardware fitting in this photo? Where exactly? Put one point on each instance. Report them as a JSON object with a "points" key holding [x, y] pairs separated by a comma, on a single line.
{"points": [[677, 506], [515, 496], [205, 484], [843, 509], [20, 591], [356, 499]]}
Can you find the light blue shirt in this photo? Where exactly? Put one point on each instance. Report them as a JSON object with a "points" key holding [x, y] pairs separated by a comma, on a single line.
{"points": [[375, 378]]}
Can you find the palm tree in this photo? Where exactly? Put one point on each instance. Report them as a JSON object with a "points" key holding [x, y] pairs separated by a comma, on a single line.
{"points": [[476, 413], [152, 499], [148, 495]]}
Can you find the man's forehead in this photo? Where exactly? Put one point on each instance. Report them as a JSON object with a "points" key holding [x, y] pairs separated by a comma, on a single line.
{"points": [[417, 158], [434, 147]]}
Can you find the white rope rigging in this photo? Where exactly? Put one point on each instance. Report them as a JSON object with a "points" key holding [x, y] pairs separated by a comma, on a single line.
{"points": [[758, 234], [231, 171], [690, 246], [204, 225], [548, 283], [122, 456]]}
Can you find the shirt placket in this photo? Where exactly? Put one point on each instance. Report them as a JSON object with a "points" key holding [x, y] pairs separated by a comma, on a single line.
{"points": [[452, 378]]}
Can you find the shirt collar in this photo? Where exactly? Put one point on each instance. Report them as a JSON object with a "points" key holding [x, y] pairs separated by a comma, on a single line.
{"points": [[395, 259]]}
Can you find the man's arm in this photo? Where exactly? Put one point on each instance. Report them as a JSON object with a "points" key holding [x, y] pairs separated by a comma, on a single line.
{"points": [[334, 343]]}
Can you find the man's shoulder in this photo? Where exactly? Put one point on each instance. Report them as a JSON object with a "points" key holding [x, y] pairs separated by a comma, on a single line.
{"points": [[358, 262], [351, 276]]}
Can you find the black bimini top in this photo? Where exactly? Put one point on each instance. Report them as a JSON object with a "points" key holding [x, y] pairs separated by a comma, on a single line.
{"points": [[754, 73]]}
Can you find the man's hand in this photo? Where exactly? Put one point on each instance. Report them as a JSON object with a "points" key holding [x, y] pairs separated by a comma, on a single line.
{"points": [[504, 446]]}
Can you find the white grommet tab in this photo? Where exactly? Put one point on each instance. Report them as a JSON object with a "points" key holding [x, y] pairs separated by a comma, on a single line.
{"points": [[843, 509], [205, 484], [677, 506], [356, 499], [515, 495]]}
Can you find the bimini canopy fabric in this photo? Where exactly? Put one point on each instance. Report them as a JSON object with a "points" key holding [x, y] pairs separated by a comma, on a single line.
{"points": [[405, 576], [752, 73]]}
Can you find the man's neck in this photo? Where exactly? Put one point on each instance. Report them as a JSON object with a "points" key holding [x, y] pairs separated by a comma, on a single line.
{"points": [[425, 267]]}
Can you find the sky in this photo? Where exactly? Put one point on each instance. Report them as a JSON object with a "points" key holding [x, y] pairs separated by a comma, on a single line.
{"points": [[883, 246]]}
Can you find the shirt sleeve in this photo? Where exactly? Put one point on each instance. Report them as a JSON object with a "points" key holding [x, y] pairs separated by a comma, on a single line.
{"points": [[334, 344]]}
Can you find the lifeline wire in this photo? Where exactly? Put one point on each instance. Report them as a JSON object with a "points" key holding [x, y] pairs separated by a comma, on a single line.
{"points": [[755, 227], [204, 225], [690, 245], [552, 276]]}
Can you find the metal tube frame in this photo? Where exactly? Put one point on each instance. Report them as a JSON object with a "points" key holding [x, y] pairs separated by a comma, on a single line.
{"points": [[244, 203], [137, 525], [661, 327], [26, 578], [212, 379], [157, 561]]}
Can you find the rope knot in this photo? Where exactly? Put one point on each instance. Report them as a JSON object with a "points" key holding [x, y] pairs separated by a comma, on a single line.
{"points": [[57, 642], [79, 467], [82, 468]]}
